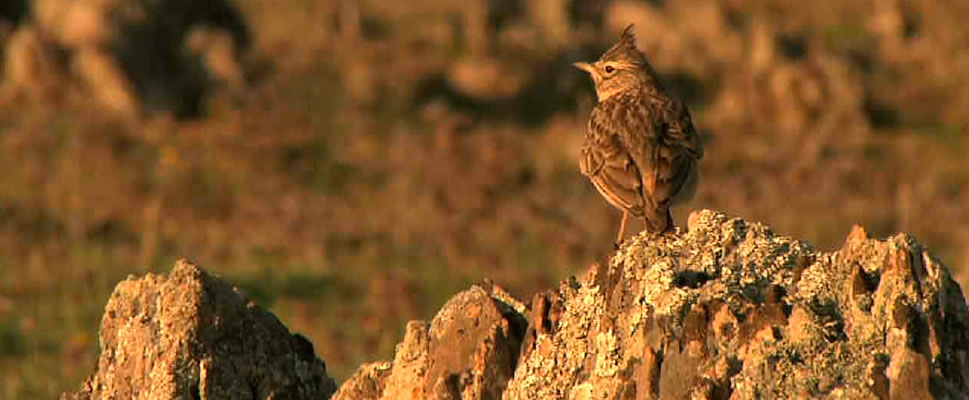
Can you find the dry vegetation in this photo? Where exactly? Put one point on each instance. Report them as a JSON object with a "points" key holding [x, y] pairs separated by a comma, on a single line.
{"points": [[352, 164]]}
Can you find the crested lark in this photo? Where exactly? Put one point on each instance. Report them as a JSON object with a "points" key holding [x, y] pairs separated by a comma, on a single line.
{"points": [[641, 149]]}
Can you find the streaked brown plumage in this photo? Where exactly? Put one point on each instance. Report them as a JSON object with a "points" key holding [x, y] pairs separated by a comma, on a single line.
{"points": [[641, 149]]}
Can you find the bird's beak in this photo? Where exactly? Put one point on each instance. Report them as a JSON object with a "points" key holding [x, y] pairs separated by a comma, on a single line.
{"points": [[584, 66]]}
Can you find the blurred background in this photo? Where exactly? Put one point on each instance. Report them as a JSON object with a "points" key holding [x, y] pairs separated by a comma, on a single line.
{"points": [[352, 164]]}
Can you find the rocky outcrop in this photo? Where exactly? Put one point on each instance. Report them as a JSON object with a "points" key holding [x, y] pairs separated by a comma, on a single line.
{"points": [[188, 335], [469, 351], [731, 310], [725, 310]]}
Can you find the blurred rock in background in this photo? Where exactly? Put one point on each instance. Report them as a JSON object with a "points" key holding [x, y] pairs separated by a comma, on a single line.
{"points": [[129, 56]]}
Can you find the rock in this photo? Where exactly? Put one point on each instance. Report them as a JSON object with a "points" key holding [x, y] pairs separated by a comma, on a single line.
{"points": [[31, 68], [100, 72], [725, 310], [469, 351], [189, 335], [487, 78], [731, 310], [130, 55], [368, 382]]}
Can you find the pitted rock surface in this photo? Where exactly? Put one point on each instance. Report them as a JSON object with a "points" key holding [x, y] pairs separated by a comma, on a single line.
{"points": [[731, 310], [469, 351], [189, 335], [727, 310]]}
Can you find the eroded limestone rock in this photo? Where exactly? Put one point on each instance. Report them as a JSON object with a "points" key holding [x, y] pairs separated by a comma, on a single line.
{"points": [[188, 335], [469, 351], [727, 310], [731, 310]]}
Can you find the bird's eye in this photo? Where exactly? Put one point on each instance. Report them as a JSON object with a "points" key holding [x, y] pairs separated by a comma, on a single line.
{"points": [[610, 69]]}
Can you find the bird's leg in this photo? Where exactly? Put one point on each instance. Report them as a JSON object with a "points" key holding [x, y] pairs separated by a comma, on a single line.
{"points": [[622, 227], [670, 228]]}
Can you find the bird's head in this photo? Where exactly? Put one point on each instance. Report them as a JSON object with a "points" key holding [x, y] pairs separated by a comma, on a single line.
{"points": [[620, 68]]}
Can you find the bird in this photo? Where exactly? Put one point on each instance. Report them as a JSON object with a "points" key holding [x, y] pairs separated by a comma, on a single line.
{"points": [[640, 149]]}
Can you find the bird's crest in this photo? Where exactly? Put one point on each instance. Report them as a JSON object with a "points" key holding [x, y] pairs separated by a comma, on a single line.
{"points": [[624, 49]]}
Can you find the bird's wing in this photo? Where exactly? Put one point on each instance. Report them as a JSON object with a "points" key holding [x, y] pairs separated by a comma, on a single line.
{"points": [[609, 166], [678, 151], [679, 129], [660, 139]]}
